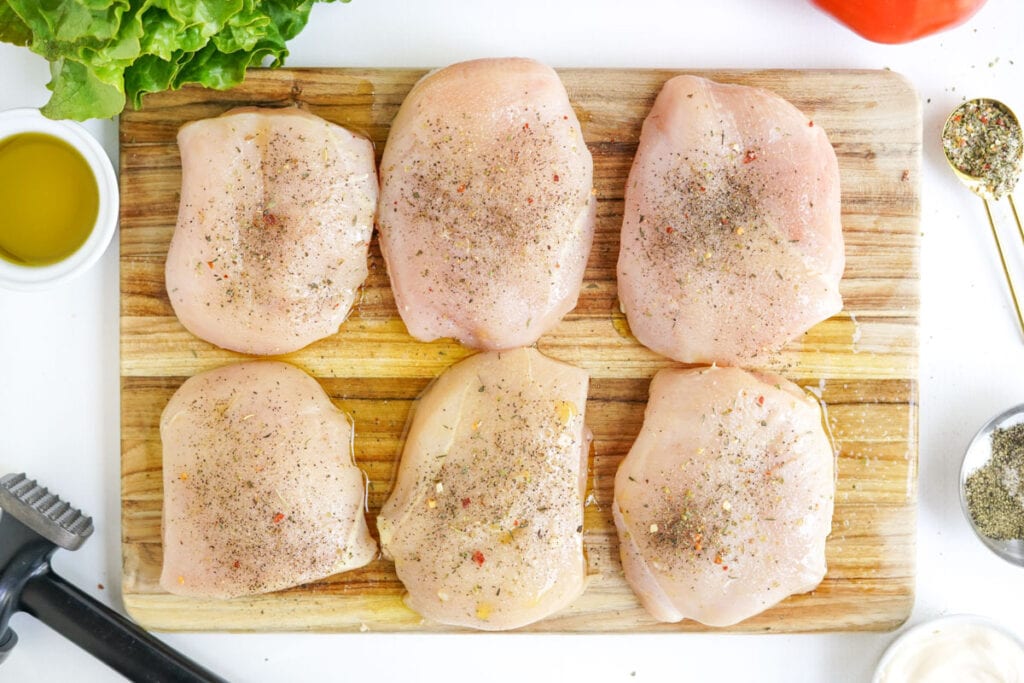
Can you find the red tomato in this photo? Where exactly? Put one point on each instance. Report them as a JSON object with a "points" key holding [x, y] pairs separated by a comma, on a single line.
{"points": [[900, 21]]}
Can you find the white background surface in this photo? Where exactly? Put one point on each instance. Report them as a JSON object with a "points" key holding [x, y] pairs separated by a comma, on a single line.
{"points": [[59, 349]]}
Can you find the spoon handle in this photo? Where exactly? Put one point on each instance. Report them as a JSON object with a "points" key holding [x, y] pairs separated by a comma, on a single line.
{"points": [[1016, 217], [1002, 258]]}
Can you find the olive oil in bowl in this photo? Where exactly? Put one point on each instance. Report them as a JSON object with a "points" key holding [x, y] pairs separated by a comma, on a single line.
{"points": [[49, 199], [58, 200]]}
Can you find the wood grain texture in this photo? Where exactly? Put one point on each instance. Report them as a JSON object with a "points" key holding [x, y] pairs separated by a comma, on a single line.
{"points": [[862, 363]]}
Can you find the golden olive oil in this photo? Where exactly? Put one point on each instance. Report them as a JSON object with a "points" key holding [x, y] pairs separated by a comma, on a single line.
{"points": [[49, 199]]}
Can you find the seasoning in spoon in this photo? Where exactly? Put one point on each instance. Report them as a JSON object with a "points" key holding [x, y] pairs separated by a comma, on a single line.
{"points": [[995, 492], [982, 139]]}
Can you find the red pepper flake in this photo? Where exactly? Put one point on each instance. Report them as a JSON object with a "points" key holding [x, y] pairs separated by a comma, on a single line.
{"points": [[460, 189], [724, 220], [529, 200], [526, 126], [515, 523], [749, 156], [465, 502], [810, 124], [670, 230], [565, 117], [269, 219], [478, 558], [760, 400], [278, 518], [701, 188], [725, 567], [210, 264], [237, 564], [556, 177]]}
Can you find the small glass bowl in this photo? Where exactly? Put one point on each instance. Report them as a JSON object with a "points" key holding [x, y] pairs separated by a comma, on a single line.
{"points": [[979, 453], [27, 278]]}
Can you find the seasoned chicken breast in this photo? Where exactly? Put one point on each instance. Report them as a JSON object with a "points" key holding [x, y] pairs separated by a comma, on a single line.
{"points": [[277, 208], [485, 523], [486, 211], [731, 240], [725, 499], [260, 489]]}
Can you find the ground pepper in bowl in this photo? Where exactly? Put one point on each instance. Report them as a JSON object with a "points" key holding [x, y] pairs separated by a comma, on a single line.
{"points": [[995, 492]]}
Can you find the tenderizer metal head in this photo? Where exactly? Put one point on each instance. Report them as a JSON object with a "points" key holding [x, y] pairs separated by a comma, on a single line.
{"points": [[44, 512]]}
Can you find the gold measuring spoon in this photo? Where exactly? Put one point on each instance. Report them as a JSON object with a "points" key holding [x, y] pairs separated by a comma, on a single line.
{"points": [[984, 143]]}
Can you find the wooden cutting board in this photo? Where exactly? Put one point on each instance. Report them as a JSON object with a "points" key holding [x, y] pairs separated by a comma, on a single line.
{"points": [[862, 363]]}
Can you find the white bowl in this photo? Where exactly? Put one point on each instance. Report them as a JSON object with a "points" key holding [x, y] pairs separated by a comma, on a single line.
{"points": [[13, 276], [934, 631]]}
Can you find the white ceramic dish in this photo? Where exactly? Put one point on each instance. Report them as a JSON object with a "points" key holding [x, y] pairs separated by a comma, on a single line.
{"points": [[13, 276], [941, 635]]}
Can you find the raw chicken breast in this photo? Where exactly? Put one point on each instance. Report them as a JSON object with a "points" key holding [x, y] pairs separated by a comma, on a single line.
{"points": [[724, 502], [260, 490], [487, 211], [731, 241], [485, 523], [277, 208]]}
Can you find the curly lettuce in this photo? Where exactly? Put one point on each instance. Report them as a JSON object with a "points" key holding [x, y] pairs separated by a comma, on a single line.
{"points": [[104, 53]]}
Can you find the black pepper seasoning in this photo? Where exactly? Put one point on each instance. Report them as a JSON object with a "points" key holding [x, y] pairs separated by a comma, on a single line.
{"points": [[995, 492]]}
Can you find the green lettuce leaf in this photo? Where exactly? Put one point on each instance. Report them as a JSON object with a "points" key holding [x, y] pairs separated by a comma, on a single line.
{"points": [[76, 89], [103, 53], [12, 28]]}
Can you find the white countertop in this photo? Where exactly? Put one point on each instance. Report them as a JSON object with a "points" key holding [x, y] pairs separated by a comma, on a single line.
{"points": [[59, 349]]}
